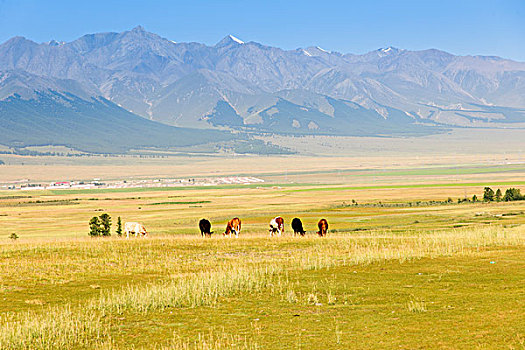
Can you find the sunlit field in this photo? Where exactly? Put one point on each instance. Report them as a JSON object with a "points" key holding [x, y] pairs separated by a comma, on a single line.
{"points": [[408, 263]]}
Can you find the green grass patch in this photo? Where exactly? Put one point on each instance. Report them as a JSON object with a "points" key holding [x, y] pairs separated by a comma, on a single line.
{"points": [[181, 202], [41, 203], [447, 171], [375, 187], [369, 172], [14, 197]]}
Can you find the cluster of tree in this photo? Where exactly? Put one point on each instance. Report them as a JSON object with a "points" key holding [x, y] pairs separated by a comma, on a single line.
{"points": [[380, 204], [254, 146], [511, 194], [101, 226], [26, 152]]}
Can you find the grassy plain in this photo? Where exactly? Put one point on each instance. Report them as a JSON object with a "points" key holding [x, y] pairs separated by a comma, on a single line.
{"points": [[397, 270]]}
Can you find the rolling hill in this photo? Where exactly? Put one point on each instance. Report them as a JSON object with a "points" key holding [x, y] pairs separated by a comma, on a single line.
{"points": [[95, 125]]}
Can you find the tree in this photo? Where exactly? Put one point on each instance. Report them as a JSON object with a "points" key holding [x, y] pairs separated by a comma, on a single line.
{"points": [[105, 224], [474, 198], [488, 194], [119, 227], [100, 226], [498, 195], [94, 227], [513, 194]]}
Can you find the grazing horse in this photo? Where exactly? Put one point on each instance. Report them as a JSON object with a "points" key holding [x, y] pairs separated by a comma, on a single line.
{"points": [[323, 227], [277, 226], [234, 225], [297, 227], [135, 228], [205, 227]]}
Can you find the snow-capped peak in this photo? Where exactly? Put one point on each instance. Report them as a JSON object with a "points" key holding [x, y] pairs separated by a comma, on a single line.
{"points": [[321, 49], [237, 40], [382, 52], [315, 51], [389, 50], [229, 41]]}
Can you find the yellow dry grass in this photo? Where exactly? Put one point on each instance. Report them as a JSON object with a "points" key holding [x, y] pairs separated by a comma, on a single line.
{"points": [[224, 267]]}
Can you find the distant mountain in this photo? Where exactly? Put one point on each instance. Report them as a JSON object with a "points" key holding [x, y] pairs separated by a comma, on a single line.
{"points": [[256, 88]]}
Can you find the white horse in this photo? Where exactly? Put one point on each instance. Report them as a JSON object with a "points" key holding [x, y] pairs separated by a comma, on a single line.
{"points": [[135, 228], [277, 226]]}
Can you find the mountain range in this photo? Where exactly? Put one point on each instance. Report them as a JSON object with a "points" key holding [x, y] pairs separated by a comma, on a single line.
{"points": [[254, 88]]}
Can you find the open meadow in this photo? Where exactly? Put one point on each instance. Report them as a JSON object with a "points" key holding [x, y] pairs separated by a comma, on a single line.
{"points": [[408, 262], [258, 175]]}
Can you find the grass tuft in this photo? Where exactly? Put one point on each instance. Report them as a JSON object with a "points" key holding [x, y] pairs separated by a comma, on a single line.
{"points": [[212, 341], [291, 297], [416, 306], [193, 290], [57, 328]]}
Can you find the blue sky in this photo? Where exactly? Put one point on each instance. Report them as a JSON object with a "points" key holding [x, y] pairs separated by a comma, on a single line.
{"points": [[460, 27]]}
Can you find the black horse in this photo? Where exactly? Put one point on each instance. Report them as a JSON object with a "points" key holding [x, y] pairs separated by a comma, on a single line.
{"points": [[205, 227], [297, 227]]}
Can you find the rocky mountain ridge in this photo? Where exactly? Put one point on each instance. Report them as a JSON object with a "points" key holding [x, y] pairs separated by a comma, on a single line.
{"points": [[259, 88]]}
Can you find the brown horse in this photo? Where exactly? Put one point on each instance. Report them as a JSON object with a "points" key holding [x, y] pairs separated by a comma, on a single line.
{"points": [[323, 227], [234, 225]]}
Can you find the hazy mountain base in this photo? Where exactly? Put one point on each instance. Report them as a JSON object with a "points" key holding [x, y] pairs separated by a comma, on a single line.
{"points": [[457, 141], [345, 118], [97, 125], [462, 145]]}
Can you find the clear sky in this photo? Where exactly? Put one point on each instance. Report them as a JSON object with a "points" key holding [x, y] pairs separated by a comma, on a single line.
{"points": [[481, 27]]}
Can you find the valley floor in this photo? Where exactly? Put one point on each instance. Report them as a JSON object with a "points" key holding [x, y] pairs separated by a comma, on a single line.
{"points": [[402, 266]]}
